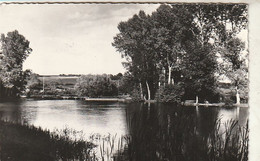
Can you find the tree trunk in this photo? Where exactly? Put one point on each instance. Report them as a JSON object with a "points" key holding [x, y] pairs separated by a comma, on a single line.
{"points": [[169, 76], [141, 91], [148, 91], [197, 99], [237, 96]]}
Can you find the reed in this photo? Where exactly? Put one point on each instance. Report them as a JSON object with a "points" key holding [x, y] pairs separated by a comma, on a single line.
{"points": [[21, 142]]}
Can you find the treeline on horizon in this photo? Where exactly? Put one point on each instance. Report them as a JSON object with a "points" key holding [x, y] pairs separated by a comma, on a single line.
{"points": [[179, 52]]}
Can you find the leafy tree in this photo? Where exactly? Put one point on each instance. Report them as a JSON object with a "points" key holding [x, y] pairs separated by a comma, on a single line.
{"points": [[33, 80], [234, 65], [215, 24], [95, 86], [32, 83], [117, 76], [180, 41], [218, 22], [14, 50], [171, 30], [199, 72], [135, 44]]}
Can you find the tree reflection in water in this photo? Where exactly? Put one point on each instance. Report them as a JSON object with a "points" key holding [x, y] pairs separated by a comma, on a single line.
{"points": [[165, 132]]}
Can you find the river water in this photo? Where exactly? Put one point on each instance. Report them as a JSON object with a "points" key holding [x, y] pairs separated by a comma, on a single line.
{"points": [[146, 121]]}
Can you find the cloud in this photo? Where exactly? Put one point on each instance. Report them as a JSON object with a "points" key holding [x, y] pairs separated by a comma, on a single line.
{"points": [[70, 38]]}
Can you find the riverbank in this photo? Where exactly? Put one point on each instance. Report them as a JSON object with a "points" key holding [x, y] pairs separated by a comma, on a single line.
{"points": [[124, 99], [23, 142], [215, 104]]}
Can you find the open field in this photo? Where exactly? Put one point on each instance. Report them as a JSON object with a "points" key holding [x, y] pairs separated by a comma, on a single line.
{"points": [[61, 80]]}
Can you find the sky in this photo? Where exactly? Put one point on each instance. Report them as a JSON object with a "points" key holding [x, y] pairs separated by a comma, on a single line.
{"points": [[70, 39]]}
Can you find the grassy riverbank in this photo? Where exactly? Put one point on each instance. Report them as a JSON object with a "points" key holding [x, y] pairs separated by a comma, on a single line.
{"points": [[28, 143]]}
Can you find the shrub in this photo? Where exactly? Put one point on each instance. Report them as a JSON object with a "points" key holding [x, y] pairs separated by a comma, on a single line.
{"points": [[136, 95], [170, 93]]}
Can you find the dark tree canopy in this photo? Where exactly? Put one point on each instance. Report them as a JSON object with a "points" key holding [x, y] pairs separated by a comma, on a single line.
{"points": [[179, 41], [14, 50]]}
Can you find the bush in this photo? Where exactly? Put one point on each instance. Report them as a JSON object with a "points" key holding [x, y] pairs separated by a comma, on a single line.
{"points": [[136, 95], [96, 86], [170, 93], [21, 142]]}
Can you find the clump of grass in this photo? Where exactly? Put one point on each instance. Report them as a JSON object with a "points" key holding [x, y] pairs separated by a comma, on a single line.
{"points": [[231, 145], [21, 142], [108, 146]]}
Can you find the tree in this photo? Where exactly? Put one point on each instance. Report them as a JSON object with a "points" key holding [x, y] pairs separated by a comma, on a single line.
{"points": [[234, 65], [15, 49], [32, 82], [200, 65], [95, 86], [179, 41], [135, 44], [171, 30], [216, 24]]}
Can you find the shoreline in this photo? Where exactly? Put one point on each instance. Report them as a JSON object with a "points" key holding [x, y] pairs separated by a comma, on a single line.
{"points": [[245, 105], [124, 100]]}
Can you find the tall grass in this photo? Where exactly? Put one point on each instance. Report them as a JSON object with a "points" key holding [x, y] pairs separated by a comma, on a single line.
{"points": [[175, 144], [19, 142], [163, 135], [230, 145]]}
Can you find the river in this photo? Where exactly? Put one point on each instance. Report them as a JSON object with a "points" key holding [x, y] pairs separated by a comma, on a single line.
{"points": [[145, 122]]}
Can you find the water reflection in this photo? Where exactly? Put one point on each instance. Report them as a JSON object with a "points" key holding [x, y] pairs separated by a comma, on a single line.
{"points": [[105, 118], [154, 132], [171, 132], [114, 118], [11, 111]]}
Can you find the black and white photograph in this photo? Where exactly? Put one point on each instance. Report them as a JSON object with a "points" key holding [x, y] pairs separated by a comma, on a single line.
{"points": [[124, 82]]}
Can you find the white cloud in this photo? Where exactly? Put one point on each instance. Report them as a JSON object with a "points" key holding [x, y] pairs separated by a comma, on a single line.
{"points": [[70, 38]]}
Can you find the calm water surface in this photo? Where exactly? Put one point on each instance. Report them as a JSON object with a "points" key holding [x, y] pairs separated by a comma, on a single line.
{"points": [[108, 118], [152, 131]]}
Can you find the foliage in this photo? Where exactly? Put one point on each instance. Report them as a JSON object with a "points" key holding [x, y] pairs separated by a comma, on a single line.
{"points": [[24, 142], [199, 68], [218, 22], [95, 86], [171, 93], [181, 42], [234, 66], [32, 81], [135, 44], [117, 76], [15, 49], [172, 29], [136, 95]]}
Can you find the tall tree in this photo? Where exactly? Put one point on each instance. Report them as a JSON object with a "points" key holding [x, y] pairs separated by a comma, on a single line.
{"points": [[171, 30], [135, 44], [215, 25], [234, 65], [175, 35], [14, 50], [200, 65]]}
